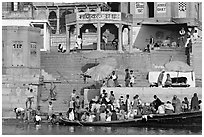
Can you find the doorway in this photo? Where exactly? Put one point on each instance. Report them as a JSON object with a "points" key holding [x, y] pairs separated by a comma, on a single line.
{"points": [[151, 9]]}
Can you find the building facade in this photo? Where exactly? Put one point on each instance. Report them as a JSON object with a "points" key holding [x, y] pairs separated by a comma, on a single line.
{"points": [[140, 21]]}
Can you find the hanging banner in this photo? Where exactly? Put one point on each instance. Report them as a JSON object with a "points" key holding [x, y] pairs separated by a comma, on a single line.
{"points": [[161, 7], [139, 8]]}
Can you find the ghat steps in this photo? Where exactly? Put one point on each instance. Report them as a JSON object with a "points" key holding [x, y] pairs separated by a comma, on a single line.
{"points": [[67, 68]]}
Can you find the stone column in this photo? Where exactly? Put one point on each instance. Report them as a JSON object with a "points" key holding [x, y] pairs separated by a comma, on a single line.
{"points": [[130, 38], [45, 37], [67, 39], [120, 37], [98, 36], [58, 22]]}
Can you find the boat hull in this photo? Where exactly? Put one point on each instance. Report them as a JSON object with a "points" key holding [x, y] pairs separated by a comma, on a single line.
{"points": [[189, 119]]}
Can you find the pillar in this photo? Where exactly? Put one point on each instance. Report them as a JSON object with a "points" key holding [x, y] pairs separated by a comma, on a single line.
{"points": [[58, 22], [120, 37], [98, 36], [130, 38], [45, 37], [67, 39]]}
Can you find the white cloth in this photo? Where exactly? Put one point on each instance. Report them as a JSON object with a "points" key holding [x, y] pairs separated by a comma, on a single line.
{"points": [[200, 106], [161, 109], [71, 115], [91, 118], [169, 106], [78, 43], [19, 110], [37, 118], [132, 78], [108, 118]]}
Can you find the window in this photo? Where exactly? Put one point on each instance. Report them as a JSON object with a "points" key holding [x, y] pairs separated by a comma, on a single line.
{"points": [[33, 45]]}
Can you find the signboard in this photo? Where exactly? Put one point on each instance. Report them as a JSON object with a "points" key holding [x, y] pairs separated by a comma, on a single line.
{"points": [[139, 8], [182, 6], [161, 7], [88, 16]]}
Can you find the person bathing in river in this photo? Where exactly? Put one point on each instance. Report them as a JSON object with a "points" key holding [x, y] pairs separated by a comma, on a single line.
{"points": [[19, 112]]}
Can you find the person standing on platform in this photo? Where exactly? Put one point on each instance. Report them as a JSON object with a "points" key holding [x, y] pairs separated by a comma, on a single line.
{"points": [[160, 78], [168, 81], [30, 98], [194, 103], [127, 78], [50, 110], [151, 42], [177, 104], [132, 78], [114, 77], [78, 44]]}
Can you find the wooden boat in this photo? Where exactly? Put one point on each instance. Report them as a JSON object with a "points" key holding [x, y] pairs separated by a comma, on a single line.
{"points": [[186, 119]]}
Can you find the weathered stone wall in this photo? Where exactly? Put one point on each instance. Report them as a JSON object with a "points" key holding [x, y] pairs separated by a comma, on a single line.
{"points": [[15, 95]]}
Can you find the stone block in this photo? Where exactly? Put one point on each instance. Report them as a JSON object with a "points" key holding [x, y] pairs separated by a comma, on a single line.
{"points": [[6, 91]]}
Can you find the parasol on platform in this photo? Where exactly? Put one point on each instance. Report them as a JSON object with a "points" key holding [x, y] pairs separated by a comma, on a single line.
{"points": [[178, 66], [103, 70]]}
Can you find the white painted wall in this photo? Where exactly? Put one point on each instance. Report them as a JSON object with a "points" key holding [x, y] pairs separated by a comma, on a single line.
{"points": [[24, 22]]}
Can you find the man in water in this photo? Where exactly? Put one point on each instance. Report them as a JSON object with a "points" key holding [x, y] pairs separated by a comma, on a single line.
{"points": [[19, 112]]}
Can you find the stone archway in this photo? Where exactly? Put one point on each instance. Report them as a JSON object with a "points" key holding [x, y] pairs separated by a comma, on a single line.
{"points": [[109, 37], [62, 26], [88, 32], [53, 21]]}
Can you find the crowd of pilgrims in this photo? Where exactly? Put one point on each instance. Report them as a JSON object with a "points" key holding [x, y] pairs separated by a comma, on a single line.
{"points": [[108, 108]]}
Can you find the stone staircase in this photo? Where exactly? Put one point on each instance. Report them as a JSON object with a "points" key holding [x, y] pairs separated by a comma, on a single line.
{"points": [[67, 68]]}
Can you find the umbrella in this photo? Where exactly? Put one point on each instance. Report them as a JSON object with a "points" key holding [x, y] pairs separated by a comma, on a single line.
{"points": [[88, 66], [101, 71], [177, 66]]}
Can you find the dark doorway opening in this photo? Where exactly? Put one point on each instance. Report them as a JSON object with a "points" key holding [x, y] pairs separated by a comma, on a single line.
{"points": [[151, 9]]}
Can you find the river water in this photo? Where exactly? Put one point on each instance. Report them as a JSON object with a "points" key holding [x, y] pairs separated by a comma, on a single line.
{"points": [[21, 128]]}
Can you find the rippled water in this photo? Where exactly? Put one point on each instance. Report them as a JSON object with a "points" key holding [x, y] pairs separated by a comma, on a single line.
{"points": [[21, 128]]}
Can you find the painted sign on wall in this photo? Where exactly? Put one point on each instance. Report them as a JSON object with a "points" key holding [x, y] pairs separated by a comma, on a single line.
{"points": [[139, 8], [161, 7], [87, 16], [182, 9]]}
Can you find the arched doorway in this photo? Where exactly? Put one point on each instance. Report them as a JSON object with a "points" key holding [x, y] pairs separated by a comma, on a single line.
{"points": [[109, 37], [151, 9], [88, 33], [53, 21], [62, 22]]}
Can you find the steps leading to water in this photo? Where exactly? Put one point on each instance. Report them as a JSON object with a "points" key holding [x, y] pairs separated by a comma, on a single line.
{"points": [[67, 68]]}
